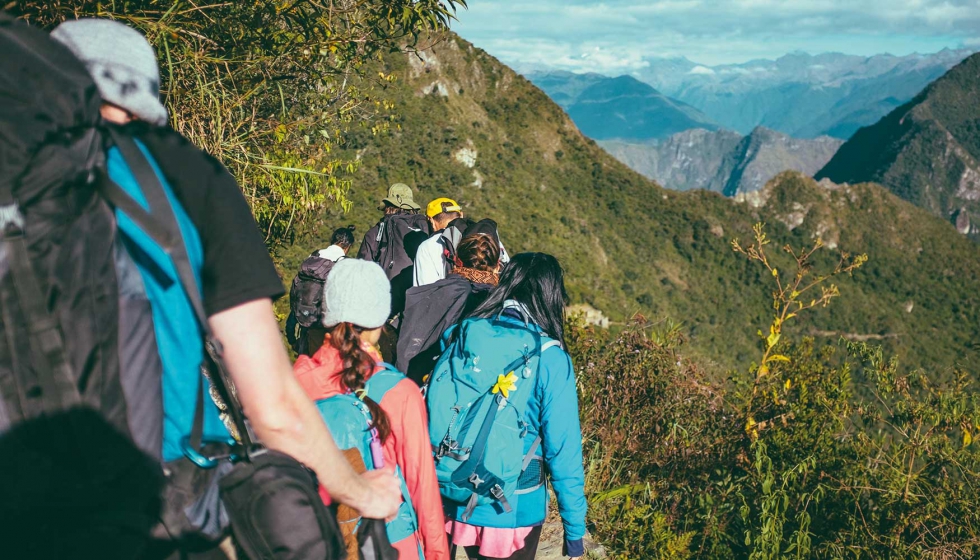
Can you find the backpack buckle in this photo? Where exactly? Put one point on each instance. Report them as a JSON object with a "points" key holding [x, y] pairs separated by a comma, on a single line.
{"points": [[498, 494]]}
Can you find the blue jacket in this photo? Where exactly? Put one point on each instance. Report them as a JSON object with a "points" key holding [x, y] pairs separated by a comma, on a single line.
{"points": [[552, 413]]}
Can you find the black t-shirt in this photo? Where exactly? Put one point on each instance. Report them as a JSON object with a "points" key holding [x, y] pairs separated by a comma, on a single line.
{"points": [[237, 266]]}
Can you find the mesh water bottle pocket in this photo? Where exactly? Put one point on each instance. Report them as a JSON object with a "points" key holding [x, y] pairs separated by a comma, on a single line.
{"points": [[532, 478]]}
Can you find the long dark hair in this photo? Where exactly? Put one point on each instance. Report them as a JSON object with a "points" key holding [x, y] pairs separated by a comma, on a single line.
{"points": [[358, 366], [538, 282], [343, 237]]}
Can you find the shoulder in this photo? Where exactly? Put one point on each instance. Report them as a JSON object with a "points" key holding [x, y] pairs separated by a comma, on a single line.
{"points": [[556, 364], [399, 392], [431, 246], [169, 145]]}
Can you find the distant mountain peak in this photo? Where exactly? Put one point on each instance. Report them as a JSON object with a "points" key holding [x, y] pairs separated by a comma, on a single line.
{"points": [[926, 151], [622, 107]]}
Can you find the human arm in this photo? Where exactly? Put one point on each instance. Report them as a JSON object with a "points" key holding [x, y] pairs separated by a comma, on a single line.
{"points": [[562, 445], [413, 452]]}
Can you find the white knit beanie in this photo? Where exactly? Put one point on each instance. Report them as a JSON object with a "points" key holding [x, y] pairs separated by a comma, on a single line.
{"points": [[121, 62], [356, 292]]}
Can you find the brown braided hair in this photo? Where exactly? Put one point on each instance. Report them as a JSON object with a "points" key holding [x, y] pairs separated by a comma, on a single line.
{"points": [[358, 367], [478, 251]]}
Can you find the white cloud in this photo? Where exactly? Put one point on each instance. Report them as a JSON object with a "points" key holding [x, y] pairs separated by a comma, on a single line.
{"points": [[702, 70], [710, 31]]}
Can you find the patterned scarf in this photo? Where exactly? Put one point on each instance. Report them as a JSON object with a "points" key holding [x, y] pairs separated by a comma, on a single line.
{"points": [[477, 276]]}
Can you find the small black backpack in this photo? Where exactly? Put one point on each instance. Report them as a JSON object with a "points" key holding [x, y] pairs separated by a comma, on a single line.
{"points": [[306, 292], [399, 237]]}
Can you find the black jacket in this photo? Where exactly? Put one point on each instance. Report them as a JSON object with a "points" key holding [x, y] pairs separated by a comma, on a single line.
{"points": [[429, 311]]}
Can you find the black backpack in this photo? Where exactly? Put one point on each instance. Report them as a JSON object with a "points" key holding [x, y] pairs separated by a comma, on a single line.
{"points": [[63, 414], [399, 237], [81, 408], [306, 292]]}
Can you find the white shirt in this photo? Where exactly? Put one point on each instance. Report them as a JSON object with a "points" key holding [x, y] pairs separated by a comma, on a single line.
{"points": [[332, 253], [430, 265]]}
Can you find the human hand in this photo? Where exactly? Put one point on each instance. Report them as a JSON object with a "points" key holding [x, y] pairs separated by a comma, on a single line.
{"points": [[382, 494]]}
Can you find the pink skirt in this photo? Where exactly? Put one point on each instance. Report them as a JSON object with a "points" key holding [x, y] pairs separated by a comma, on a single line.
{"points": [[493, 542]]}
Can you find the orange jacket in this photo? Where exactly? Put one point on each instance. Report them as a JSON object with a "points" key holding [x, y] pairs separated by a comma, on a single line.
{"points": [[408, 446]]}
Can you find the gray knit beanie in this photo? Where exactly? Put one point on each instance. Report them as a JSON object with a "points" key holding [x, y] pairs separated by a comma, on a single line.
{"points": [[121, 62], [356, 292]]}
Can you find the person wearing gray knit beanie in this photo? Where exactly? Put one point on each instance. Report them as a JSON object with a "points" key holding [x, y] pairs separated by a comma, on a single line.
{"points": [[121, 62], [356, 292]]}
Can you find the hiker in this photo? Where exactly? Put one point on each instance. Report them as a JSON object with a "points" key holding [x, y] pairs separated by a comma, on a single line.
{"points": [[433, 258], [393, 243], [303, 330], [507, 368], [489, 227], [433, 308], [346, 371], [399, 201], [227, 260]]}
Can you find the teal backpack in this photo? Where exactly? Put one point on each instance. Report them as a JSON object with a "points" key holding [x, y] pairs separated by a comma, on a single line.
{"points": [[477, 397], [348, 420]]}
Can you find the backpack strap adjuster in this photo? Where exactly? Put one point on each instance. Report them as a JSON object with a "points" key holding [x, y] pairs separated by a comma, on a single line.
{"points": [[11, 221]]}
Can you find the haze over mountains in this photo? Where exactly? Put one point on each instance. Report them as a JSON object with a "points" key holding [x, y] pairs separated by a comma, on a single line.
{"points": [[798, 94], [621, 108], [790, 109]]}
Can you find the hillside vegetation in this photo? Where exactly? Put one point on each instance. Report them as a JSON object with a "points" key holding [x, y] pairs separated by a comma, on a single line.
{"points": [[472, 129], [927, 151]]}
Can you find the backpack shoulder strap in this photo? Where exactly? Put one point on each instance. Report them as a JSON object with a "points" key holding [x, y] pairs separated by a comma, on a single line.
{"points": [[383, 381], [160, 223]]}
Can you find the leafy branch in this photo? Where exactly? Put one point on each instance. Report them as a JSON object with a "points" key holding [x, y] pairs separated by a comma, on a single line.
{"points": [[804, 289]]}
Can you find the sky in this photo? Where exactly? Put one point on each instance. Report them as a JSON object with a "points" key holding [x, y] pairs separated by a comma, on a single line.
{"points": [[616, 36]]}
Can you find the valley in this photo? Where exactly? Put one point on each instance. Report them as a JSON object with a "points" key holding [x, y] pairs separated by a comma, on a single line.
{"points": [[470, 128]]}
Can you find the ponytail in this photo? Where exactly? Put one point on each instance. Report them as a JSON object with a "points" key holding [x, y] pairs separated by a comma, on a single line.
{"points": [[343, 237], [359, 365]]}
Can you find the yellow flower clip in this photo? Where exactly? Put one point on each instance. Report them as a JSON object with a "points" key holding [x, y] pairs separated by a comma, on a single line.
{"points": [[505, 384]]}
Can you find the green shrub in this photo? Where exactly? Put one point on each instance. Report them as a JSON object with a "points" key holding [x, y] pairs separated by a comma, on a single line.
{"points": [[825, 452]]}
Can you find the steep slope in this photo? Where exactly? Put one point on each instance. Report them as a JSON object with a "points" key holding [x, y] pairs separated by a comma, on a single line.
{"points": [[723, 161], [927, 151], [799, 94], [686, 160], [765, 153], [623, 107], [489, 138]]}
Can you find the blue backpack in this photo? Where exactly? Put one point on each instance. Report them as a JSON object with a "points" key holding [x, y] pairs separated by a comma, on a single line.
{"points": [[348, 419], [477, 398]]}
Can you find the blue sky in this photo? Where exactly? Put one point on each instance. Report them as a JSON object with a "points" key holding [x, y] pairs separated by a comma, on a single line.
{"points": [[613, 36]]}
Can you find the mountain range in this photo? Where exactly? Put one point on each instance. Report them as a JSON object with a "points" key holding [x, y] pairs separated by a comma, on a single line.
{"points": [[622, 107], [723, 161], [472, 129], [926, 151], [799, 94]]}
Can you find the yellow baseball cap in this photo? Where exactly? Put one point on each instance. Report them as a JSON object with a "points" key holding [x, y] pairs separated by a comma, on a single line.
{"points": [[440, 205]]}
